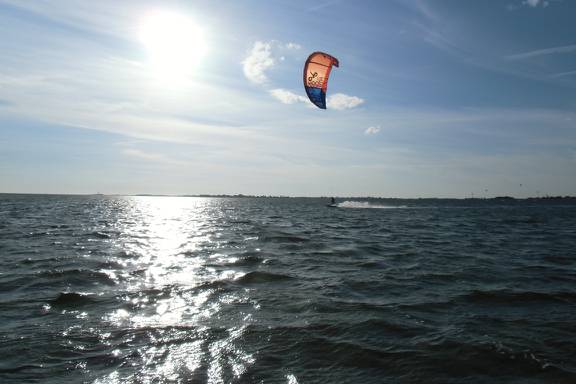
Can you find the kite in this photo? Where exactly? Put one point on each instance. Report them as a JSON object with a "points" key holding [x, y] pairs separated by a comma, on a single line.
{"points": [[316, 72]]}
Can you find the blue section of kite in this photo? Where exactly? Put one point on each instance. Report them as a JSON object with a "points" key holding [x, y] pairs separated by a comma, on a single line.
{"points": [[317, 96]]}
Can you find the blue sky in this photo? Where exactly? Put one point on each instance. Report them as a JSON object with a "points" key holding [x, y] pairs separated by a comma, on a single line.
{"points": [[432, 98]]}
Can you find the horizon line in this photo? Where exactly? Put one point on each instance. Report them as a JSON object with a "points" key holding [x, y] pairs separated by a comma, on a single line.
{"points": [[241, 195]]}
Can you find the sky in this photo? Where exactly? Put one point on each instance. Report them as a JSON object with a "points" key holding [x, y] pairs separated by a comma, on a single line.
{"points": [[438, 98]]}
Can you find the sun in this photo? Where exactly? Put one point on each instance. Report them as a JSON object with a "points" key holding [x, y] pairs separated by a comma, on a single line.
{"points": [[174, 43]]}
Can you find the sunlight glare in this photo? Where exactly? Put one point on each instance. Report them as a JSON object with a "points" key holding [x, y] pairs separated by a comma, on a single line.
{"points": [[174, 42]]}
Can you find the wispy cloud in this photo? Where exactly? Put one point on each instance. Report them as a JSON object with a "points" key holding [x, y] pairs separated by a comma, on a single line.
{"points": [[543, 52], [150, 156], [325, 4], [372, 130], [433, 34], [467, 48], [562, 74], [341, 101]]}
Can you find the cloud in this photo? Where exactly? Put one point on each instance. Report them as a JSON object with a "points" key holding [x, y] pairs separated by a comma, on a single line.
{"points": [[536, 3], [531, 4], [287, 97], [320, 6], [293, 46], [341, 101], [132, 152], [338, 101], [258, 62], [372, 130], [543, 52], [157, 158], [263, 57], [561, 74]]}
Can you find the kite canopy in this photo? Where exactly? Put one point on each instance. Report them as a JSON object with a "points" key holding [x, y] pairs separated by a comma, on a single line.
{"points": [[316, 72]]}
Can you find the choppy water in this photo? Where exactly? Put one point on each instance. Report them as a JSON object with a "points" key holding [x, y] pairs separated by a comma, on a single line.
{"points": [[216, 290]]}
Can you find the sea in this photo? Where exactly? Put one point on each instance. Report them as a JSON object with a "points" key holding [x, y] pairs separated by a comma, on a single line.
{"points": [[156, 289]]}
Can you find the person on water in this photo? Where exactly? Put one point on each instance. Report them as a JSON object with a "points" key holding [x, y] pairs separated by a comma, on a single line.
{"points": [[332, 201]]}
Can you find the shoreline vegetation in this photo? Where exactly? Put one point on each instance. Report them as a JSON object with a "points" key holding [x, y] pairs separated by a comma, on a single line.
{"points": [[240, 195]]}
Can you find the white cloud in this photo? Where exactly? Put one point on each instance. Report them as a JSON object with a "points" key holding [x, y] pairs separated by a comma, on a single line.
{"points": [[258, 62], [293, 46], [536, 3], [338, 101], [530, 4], [263, 57], [341, 101], [372, 130], [287, 97]]}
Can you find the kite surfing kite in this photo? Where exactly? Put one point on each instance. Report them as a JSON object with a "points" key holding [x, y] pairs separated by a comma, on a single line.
{"points": [[316, 72]]}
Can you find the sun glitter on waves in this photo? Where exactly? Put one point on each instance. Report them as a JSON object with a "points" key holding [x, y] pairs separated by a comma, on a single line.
{"points": [[174, 43]]}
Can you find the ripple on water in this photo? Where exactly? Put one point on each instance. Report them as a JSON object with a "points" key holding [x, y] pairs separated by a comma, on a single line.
{"points": [[182, 289]]}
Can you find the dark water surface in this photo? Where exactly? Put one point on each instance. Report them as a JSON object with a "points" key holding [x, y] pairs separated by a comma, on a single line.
{"points": [[216, 290]]}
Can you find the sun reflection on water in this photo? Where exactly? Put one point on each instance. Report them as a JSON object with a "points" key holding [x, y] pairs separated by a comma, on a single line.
{"points": [[172, 275]]}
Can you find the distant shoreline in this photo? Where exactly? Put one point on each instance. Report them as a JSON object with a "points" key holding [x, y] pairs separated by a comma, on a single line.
{"points": [[496, 198]]}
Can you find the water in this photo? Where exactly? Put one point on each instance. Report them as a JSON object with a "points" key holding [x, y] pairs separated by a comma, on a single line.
{"points": [[102, 289]]}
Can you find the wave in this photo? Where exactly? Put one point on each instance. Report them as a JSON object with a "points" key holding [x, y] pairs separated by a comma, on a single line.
{"points": [[510, 297], [242, 261], [72, 276], [284, 238], [20, 368], [247, 261], [55, 278], [367, 205], [261, 277], [72, 299], [216, 285], [101, 235], [491, 358]]}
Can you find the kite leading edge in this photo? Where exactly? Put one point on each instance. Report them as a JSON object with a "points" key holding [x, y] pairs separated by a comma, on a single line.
{"points": [[316, 72]]}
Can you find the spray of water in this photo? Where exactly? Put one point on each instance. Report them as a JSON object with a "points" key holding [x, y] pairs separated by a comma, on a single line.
{"points": [[366, 205]]}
